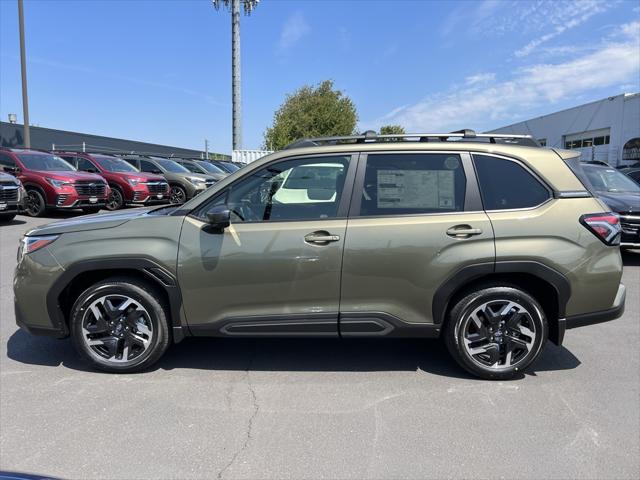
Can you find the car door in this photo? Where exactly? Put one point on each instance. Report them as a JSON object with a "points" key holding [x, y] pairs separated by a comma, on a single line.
{"points": [[276, 268], [416, 221]]}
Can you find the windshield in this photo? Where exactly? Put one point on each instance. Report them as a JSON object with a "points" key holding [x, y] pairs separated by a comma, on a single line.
{"points": [[610, 180], [210, 167], [171, 166], [231, 167], [45, 162], [113, 164]]}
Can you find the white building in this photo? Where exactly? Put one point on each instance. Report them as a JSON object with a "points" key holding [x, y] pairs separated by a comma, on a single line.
{"points": [[606, 130]]}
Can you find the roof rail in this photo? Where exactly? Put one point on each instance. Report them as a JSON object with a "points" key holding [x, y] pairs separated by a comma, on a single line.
{"points": [[461, 135]]}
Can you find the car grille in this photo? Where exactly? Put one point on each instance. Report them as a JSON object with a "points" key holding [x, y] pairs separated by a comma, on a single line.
{"points": [[630, 224], [8, 192], [157, 187], [90, 189]]}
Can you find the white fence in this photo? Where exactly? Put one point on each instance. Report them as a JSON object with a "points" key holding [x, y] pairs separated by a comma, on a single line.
{"points": [[248, 156]]}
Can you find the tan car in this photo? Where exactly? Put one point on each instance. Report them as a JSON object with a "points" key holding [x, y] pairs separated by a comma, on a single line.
{"points": [[487, 241]]}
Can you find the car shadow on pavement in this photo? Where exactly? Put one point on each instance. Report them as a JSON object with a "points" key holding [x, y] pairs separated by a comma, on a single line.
{"points": [[286, 355], [15, 221], [631, 258]]}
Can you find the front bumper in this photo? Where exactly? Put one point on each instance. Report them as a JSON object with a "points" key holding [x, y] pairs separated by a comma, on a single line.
{"points": [[616, 311]]}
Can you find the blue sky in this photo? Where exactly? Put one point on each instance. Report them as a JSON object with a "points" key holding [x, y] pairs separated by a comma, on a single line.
{"points": [[159, 71]]}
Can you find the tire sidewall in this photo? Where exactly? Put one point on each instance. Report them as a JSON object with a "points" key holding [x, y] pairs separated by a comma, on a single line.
{"points": [[157, 317], [41, 202], [455, 335], [115, 191], [177, 188]]}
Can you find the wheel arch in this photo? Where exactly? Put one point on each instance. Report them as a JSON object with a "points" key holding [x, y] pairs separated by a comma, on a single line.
{"points": [[548, 286], [77, 277]]}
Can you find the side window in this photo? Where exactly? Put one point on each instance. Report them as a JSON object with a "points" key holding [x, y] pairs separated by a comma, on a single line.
{"points": [[301, 189], [85, 165], [505, 184], [132, 162], [6, 161], [147, 166], [405, 184]]}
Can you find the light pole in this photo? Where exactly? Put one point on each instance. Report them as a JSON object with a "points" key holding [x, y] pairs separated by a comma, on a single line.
{"points": [[236, 95], [23, 65]]}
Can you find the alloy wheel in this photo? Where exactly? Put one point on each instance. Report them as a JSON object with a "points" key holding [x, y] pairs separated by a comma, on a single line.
{"points": [[117, 328], [115, 201], [34, 203], [177, 195], [499, 334]]}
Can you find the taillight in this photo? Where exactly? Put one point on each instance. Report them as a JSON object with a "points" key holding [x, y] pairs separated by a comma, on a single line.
{"points": [[605, 226]]}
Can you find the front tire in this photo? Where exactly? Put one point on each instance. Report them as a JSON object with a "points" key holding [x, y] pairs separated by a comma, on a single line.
{"points": [[496, 332], [177, 195], [119, 325], [35, 204], [115, 200]]}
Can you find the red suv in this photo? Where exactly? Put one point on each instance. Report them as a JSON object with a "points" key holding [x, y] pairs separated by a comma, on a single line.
{"points": [[52, 183], [128, 185]]}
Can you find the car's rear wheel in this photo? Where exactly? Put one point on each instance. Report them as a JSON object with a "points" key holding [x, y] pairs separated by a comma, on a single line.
{"points": [[35, 204], [119, 325], [496, 332], [115, 200], [177, 195]]}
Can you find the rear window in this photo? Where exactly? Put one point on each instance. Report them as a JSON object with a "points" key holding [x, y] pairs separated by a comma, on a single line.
{"points": [[505, 184]]}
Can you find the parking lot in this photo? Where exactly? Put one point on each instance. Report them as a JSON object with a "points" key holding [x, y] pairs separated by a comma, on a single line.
{"points": [[320, 408]]}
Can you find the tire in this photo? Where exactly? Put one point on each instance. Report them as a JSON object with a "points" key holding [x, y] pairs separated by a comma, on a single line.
{"points": [[7, 217], [115, 200], [177, 195], [112, 341], [35, 204], [480, 332], [91, 210]]}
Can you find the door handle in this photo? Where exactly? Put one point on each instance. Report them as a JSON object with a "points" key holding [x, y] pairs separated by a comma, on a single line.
{"points": [[463, 231], [321, 238]]}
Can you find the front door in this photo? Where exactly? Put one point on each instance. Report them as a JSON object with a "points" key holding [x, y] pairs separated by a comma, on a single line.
{"points": [[276, 268]]}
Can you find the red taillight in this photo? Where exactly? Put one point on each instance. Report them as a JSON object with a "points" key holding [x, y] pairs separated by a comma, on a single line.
{"points": [[605, 226]]}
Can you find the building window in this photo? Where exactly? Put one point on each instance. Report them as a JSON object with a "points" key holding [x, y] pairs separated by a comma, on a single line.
{"points": [[590, 139]]}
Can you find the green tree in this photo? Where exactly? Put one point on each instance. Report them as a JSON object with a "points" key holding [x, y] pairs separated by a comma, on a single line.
{"points": [[392, 130], [311, 112]]}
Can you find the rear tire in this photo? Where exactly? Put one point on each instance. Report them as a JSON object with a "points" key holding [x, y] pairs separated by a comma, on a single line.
{"points": [[119, 325], [496, 332]]}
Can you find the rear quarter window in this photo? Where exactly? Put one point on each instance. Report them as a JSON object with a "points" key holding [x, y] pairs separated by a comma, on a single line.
{"points": [[506, 185]]}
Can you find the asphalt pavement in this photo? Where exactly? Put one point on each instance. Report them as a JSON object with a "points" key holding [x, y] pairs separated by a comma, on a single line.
{"points": [[231, 408]]}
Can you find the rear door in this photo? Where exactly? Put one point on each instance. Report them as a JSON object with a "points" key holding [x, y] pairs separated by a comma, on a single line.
{"points": [[416, 220]]}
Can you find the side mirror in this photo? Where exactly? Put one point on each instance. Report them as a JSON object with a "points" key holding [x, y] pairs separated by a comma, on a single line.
{"points": [[219, 218], [12, 169]]}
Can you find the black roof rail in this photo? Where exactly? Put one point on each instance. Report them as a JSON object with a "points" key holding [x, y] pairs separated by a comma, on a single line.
{"points": [[460, 135]]}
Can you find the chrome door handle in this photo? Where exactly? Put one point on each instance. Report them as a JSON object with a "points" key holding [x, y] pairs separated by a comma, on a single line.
{"points": [[463, 231], [321, 238]]}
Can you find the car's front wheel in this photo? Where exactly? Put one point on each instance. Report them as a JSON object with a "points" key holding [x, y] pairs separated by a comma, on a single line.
{"points": [[115, 200], [35, 204], [496, 332], [177, 195], [119, 325]]}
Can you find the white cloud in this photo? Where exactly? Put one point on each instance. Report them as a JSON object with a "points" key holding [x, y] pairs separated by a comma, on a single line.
{"points": [[589, 9], [484, 101], [293, 30]]}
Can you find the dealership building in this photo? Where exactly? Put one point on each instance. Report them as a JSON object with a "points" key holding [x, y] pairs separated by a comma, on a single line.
{"points": [[607, 130]]}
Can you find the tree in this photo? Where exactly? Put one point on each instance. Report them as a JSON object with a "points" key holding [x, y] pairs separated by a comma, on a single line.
{"points": [[236, 94], [311, 112], [392, 130]]}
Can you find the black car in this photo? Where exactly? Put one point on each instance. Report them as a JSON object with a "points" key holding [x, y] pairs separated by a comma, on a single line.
{"points": [[634, 173], [622, 195], [202, 166], [226, 166]]}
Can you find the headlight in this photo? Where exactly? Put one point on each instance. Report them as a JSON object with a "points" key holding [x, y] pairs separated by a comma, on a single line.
{"points": [[57, 183], [133, 181], [196, 180], [31, 244]]}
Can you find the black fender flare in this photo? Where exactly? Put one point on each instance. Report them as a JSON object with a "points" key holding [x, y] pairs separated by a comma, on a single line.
{"points": [[157, 274], [469, 273]]}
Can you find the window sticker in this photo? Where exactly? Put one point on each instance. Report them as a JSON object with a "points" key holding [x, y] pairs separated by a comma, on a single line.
{"points": [[416, 189]]}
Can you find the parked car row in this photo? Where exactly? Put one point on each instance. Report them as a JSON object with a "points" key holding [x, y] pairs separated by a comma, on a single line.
{"points": [[34, 181]]}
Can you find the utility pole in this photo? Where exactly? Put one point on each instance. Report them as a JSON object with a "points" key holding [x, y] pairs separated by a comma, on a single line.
{"points": [[23, 64], [236, 91], [206, 149]]}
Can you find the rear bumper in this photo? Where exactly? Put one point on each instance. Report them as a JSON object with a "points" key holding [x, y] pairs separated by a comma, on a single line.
{"points": [[616, 311]]}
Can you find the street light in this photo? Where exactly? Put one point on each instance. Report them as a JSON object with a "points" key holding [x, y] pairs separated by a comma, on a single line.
{"points": [[236, 100]]}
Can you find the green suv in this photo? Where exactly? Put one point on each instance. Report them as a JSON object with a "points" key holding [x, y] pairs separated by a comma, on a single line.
{"points": [[489, 242], [183, 184]]}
